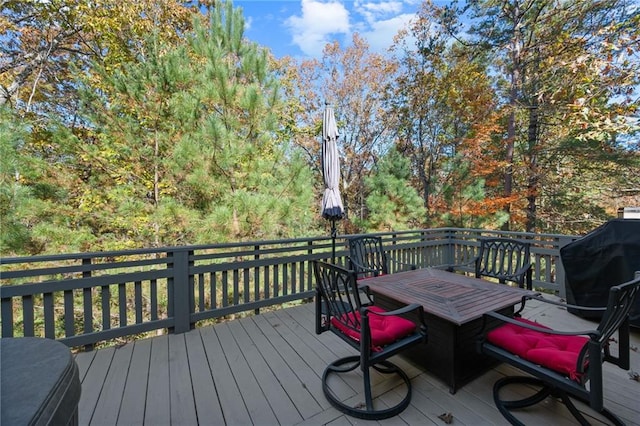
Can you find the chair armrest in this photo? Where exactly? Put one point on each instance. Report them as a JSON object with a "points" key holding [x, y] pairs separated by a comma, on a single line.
{"points": [[399, 311], [539, 298], [471, 262], [593, 334], [515, 276], [364, 289], [361, 268], [523, 270], [413, 307], [399, 262]]}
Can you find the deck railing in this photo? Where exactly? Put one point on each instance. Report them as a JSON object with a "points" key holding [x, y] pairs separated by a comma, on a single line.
{"points": [[88, 298]]}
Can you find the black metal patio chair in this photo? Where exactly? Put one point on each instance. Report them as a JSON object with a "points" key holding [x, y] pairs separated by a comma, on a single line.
{"points": [[376, 334], [561, 363], [368, 258], [505, 259]]}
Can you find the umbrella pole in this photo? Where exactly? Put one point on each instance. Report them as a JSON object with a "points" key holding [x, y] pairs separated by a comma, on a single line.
{"points": [[334, 233]]}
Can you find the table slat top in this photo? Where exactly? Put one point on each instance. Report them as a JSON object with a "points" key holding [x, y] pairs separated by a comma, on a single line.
{"points": [[454, 297]]}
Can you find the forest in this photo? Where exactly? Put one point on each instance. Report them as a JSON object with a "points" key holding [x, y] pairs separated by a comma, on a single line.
{"points": [[158, 123]]}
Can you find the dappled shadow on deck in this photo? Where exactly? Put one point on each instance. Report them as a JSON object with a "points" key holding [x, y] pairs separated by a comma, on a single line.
{"points": [[266, 370]]}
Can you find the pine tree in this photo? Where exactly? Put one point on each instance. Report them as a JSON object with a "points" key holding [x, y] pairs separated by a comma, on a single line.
{"points": [[392, 202], [185, 149]]}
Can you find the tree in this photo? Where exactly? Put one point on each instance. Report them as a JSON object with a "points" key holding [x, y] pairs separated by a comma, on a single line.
{"points": [[392, 203], [13, 195], [185, 150], [440, 97], [549, 56], [353, 80], [47, 42], [48, 46]]}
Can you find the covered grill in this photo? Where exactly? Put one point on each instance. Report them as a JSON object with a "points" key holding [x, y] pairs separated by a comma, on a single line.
{"points": [[607, 256]]}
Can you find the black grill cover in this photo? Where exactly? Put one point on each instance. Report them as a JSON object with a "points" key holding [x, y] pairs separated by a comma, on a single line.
{"points": [[607, 256]]}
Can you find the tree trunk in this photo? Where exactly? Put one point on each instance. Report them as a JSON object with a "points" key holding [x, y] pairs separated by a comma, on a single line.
{"points": [[513, 103], [532, 181]]}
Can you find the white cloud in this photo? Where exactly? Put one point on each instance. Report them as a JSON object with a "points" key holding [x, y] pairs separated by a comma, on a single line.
{"points": [[319, 20], [379, 34], [374, 11], [322, 21]]}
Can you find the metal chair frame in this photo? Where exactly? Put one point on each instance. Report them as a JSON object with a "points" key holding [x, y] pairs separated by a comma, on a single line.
{"points": [[589, 363], [338, 296], [368, 258], [505, 259]]}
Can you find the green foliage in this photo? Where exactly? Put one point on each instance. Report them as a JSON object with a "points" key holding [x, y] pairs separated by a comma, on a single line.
{"points": [[13, 195], [392, 202], [184, 149], [175, 129]]}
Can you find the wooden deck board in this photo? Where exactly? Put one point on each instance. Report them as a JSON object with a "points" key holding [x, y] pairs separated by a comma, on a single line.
{"points": [[283, 408], [133, 399], [158, 406], [228, 393], [94, 379], [304, 384], [113, 388], [84, 360], [266, 369], [205, 395], [253, 395], [183, 409]]}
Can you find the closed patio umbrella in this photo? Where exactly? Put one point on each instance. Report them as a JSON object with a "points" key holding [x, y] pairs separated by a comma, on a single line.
{"points": [[332, 208]]}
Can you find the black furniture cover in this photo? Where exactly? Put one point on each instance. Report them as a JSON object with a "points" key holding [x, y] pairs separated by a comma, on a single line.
{"points": [[40, 383], [607, 256]]}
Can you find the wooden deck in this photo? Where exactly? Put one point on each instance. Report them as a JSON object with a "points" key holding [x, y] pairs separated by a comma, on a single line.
{"points": [[266, 369]]}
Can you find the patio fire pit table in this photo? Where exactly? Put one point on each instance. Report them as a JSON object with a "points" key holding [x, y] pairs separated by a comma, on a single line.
{"points": [[453, 308]]}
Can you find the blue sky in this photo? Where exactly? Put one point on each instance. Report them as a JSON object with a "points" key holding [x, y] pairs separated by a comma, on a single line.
{"points": [[301, 28]]}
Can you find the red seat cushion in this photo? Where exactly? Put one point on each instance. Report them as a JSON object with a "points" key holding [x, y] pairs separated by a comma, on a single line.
{"points": [[558, 353], [384, 329]]}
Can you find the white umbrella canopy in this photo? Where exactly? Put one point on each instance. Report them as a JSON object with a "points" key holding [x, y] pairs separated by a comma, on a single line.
{"points": [[332, 207]]}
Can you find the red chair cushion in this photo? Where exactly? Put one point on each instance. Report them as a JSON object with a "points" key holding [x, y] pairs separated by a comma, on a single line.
{"points": [[558, 353], [384, 329]]}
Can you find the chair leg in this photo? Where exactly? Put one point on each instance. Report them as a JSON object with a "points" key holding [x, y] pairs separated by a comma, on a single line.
{"points": [[546, 390], [365, 411]]}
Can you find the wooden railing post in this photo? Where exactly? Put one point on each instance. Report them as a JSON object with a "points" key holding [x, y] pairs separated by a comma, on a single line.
{"points": [[560, 273], [450, 249], [87, 306], [181, 282], [256, 276]]}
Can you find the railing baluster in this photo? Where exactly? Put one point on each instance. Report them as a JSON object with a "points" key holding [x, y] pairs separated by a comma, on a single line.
{"points": [[122, 304], [236, 287], [69, 314], [247, 288], [6, 305], [49, 315], [153, 289], [27, 316], [105, 296], [267, 282], [201, 293], [138, 301], [214, 290], [225, 288]]}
